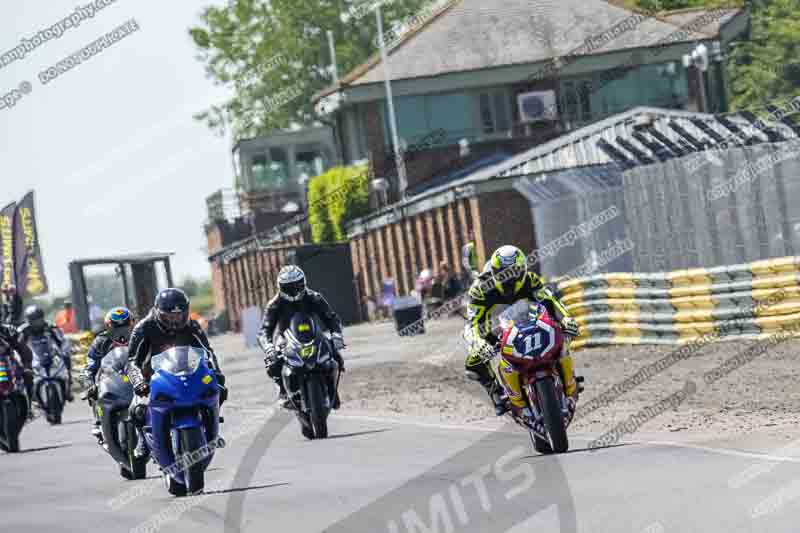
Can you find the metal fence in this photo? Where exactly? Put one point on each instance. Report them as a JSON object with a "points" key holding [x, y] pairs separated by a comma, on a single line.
{"points": [[702, 210]]}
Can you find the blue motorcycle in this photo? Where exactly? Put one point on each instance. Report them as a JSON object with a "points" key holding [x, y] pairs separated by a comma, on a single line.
{"points": [[181, 424]]}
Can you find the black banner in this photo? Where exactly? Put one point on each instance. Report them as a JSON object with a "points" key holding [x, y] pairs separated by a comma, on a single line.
{"points": [[7, 276], [28, 257]]}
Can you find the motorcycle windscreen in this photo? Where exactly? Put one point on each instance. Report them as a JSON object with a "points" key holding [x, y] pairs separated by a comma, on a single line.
{"points": [[115, 360], [179, 361], [113, 383], [43, 351]]}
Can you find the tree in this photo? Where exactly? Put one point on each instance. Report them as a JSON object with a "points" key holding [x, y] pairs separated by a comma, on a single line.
{"points": [[190, 286], [274, 54], [767, 68]]}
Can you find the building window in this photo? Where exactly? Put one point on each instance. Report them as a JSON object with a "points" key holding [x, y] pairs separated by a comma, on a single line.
{"points": [[494, 111], [259, 171], [575, 102], [278, 167], [420, 116]]}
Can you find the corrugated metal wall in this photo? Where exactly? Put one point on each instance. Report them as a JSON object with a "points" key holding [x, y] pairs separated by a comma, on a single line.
{"points": [[736, 212]]}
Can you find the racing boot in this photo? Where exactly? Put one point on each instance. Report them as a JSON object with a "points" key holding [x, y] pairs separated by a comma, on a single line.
{"points": [[97, 432], [283, 397], [141, 445], [483, 375]]}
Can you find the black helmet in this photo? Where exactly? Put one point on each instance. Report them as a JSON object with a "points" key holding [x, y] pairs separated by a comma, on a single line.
{"points": [[291, 283], [172, 309], [34, 316]]}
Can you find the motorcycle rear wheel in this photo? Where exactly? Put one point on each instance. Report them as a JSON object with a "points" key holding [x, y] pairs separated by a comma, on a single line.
{"points": [[553, 418], [138, 464], [10, 427]]}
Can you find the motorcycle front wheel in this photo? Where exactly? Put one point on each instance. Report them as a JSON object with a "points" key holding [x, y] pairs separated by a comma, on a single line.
{"points": [[319, 413], [10, 426], [192, 439], [551, 411], [54, 406]]}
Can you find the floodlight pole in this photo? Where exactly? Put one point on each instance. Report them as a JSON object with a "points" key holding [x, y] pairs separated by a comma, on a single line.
{"points": [[402, 183]]}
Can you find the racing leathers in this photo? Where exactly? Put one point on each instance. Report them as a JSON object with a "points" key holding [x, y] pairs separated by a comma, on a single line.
{"points": [[485, 296], [26, 332], [10, 336], [150, 338], [277, 316], [100, 347]]}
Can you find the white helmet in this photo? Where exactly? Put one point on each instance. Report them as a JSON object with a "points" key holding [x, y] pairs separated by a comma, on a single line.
{"points": [[291, 283]]}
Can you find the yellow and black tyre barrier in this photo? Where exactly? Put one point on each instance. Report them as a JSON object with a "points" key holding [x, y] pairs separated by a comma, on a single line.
{"points": [[749, 301], [81, 343]]}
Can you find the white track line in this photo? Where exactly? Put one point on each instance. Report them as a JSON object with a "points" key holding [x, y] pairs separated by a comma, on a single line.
{"points": [[513, 429], [724, 451]]}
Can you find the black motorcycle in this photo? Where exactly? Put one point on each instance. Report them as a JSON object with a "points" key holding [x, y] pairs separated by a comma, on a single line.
{"points": [[310, 374], [13, 400], [50, 377]]}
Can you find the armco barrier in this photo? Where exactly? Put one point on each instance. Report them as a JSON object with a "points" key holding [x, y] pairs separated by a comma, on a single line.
{"points": [[750, 301]]}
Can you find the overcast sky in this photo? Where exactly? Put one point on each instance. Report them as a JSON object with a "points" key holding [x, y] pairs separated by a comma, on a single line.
{"points": [[117, 162]]}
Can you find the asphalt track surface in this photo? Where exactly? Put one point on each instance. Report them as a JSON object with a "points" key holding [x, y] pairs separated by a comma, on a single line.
{"points": [[383, 475]]}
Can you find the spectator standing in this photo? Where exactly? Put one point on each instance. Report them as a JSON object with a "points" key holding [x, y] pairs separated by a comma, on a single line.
{"points": [[65, 319], [11, 309]]}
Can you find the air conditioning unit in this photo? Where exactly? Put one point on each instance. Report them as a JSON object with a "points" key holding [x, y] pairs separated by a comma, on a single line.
{"points": [[537, 106]]}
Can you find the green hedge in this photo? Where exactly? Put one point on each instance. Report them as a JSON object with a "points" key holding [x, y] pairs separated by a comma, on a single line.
{"points": [[334, 198]]}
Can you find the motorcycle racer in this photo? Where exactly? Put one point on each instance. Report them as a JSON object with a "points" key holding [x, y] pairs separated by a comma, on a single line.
{"points": [[166, 326], [117, 332], [11, 337], [504, 281], [293, 296], [35, 325]]}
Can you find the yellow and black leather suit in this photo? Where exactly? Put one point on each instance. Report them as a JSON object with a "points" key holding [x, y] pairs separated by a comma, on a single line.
{"points": [[484, 296]]}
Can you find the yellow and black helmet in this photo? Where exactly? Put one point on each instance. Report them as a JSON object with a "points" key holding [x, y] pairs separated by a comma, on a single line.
{"points": [[508, 268]]}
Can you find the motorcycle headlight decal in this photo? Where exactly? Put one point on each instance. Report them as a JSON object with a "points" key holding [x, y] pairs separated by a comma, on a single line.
{"points": [[307, 351], [207, 379]]}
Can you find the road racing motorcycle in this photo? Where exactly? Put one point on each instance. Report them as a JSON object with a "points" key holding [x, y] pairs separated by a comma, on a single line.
{"points": [[13, 399], [114, 396], [50, 377], [181, 417], [532, 344], [310, 374]]}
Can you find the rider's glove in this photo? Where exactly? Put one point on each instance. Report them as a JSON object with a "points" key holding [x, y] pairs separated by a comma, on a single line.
{"points": [[140, 385], [338, 341], [91, 394], [570, 326], [142, 388], [270, 353]]}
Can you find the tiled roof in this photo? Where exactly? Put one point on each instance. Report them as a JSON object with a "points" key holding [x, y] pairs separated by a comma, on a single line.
{"points": [[479, 34]]}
